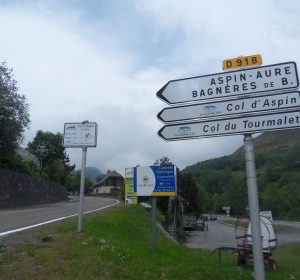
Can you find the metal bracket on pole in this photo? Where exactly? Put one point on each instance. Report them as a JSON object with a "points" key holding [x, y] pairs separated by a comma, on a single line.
{"points": [[82, 181], [258, 259]]}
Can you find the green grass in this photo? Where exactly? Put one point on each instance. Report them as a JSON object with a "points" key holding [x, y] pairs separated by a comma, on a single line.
{"points": [[239, 224], [117, 245]]}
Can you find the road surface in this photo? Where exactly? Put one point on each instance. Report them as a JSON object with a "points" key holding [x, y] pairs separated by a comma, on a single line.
{"points": [[14, 220], [220, 235]]}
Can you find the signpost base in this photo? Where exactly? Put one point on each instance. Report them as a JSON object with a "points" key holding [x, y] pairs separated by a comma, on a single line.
{"points": [[82, 180], [154, 233], [258, 259]]}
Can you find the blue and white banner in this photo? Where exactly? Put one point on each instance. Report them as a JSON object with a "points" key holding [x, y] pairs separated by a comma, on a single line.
{"points": [[155, 180]]}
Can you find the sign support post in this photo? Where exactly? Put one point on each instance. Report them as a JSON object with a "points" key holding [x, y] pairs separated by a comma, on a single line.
{"points": [[154, 233], [155, 181], [186, 122], [80, 135], [82, 181], [259, 271]]}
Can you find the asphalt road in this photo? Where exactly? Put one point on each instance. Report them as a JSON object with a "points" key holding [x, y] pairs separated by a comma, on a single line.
{"points": [[14, 220], [220, 235]]}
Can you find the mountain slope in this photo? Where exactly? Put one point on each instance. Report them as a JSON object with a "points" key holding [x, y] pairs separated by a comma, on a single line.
{"points": [[92, 173], [277, 158], [272, 140]]}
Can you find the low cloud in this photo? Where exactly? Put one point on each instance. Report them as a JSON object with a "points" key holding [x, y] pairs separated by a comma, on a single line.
{"points": [[73, 65]]}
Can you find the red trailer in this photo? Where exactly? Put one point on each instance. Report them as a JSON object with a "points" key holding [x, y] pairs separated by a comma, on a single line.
{"points": [[244, 242]]}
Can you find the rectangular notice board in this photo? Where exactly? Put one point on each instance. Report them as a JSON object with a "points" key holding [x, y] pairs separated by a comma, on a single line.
{"points": [[155, 180]]}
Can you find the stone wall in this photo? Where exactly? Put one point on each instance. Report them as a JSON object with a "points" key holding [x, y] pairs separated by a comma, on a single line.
{"points": [[17, 189]]}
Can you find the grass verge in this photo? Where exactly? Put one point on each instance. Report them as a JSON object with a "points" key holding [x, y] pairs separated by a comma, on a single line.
{"points": [[117, 245]]}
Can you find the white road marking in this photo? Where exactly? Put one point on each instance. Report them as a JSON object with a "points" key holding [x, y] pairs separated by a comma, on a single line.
{"points": [[52, 221]]}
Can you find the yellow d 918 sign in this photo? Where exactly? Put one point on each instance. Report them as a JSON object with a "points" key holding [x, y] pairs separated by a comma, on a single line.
{"points": [[243, 61]]}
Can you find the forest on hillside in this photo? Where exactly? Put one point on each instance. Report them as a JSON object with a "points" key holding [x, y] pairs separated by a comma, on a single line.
{"points": [[222, 181]]}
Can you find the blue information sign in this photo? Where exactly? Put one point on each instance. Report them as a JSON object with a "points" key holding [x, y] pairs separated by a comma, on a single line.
{"points": [[155, 180]]}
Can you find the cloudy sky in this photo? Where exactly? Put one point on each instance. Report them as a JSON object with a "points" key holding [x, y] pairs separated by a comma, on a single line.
{"points": [[104, 61]]}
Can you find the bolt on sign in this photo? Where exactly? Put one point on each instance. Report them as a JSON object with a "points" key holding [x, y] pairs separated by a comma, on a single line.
{"points": [[242, 61]]}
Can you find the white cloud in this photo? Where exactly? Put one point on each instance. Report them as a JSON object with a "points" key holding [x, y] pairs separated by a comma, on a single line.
{"points": [[73, 67], [212, 31]]}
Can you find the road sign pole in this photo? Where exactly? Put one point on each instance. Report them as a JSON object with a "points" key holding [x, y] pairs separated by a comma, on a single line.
{"points": [[154, 233], [82, 181], [259, 271]]}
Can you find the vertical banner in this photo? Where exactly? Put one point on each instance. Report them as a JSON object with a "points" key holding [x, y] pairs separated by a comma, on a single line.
{"points": [[130, 194]]}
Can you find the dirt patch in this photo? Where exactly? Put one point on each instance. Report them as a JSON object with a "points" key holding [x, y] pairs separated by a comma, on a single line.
{"points": [[25, 237]]}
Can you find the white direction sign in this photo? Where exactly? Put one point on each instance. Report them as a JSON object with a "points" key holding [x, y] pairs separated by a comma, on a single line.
{"points": [[80, 135], [231, 107], [237, 125], [229, 84]]}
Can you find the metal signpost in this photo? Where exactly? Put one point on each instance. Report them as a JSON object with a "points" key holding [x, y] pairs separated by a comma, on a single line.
{"points": [[80, 135], [255, 100], [155, 181], [263, 79], [258, 258]]}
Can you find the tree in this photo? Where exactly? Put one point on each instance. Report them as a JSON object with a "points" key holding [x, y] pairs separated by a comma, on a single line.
{"points": [[73, 183], [48, 149], [215, 181], [164, 161], [14, 115], [274, 199], [236, 196], [187, 188], [202, 199]]}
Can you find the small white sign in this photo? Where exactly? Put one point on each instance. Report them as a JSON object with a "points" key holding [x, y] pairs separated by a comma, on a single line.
{"points": [[237, 125], [80, 135]]}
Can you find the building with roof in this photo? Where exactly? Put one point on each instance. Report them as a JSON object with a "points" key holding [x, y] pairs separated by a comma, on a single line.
{"points": [[109, 184]]}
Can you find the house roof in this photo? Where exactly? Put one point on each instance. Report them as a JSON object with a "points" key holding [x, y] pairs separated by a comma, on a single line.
{"points": [[111, 174]]}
